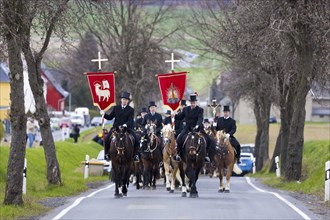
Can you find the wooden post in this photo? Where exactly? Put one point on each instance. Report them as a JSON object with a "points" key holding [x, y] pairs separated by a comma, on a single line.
{"points": [[86, 167], [24, 176], [327, 182], [278, 172]]}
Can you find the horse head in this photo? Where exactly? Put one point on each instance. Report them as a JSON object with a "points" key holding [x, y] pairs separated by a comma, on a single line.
{"points": [[169, 139], [194, 143], [221, 138], [151, 127], [119, 137]]}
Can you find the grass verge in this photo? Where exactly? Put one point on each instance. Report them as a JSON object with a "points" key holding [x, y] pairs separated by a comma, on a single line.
{"points": [[69, 156]]}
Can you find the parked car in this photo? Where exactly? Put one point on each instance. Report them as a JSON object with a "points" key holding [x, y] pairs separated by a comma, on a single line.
{"points": [[65, 122], [247, 148], [246, 165], [54, 124], [97, 121], [78, 119], [272, 119]]}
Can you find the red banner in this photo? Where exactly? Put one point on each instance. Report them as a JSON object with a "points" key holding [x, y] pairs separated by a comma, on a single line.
{"points": [[102, 87], [172, 86]]}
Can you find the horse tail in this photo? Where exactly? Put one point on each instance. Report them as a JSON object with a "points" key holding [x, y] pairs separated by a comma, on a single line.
{"points": [[236, 169]]}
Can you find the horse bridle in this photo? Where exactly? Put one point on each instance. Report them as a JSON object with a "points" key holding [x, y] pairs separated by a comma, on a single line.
{"points": [[168, 141], [120, 149], [197, 148]]}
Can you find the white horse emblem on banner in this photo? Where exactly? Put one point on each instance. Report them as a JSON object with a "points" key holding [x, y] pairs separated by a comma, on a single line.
{"points": [[104, 91]]}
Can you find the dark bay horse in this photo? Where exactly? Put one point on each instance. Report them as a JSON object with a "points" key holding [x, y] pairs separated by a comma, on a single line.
{"points": [[137, 167], [171, 166], [224, 158], [151, 156], [195, 151], [121, 154]]}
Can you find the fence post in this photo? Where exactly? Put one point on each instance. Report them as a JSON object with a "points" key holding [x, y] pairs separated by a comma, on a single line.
{"points": [[254, 165], [24, 176], [327, 182], [278, 171], [86, 167]]}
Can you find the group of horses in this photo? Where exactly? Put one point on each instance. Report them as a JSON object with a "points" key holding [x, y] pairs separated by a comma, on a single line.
{"points": [[154, 151]]}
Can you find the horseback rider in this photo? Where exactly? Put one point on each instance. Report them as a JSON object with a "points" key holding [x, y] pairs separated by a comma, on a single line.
{"points": [[154, 117], [193, 115], [229, 125], [124, 117], [138, 121], [177, 125]]}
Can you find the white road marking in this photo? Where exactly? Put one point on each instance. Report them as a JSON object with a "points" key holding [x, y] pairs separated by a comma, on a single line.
{"points": [[77, 201], [281, 198]]}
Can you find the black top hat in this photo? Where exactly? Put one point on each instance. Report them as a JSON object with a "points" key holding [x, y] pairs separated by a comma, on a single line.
{"points": [[144, 110], [152, 103], [168, 112], [125, 95], [226, 108], [183, 102], [206, 120], [193, 98]]}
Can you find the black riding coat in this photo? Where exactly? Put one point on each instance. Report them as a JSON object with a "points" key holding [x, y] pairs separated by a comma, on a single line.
{"points": [[192, 117], [229, 125], [122, 116], [138, 122], [178, 124], [153, 118]]}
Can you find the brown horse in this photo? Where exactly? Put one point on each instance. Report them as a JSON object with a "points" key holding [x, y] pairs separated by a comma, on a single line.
{"points": [[151, 156], [224, 158], [195, 151], [121, 154], [137, 167], [171, 166]]}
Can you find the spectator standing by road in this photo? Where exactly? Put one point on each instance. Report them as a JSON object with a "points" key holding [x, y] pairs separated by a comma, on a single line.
{"points": [[75, 133], [31, 131]]}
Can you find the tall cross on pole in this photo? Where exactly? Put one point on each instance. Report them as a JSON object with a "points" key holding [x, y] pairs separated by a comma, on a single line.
{"points": [[99, 60], [172, 61]]}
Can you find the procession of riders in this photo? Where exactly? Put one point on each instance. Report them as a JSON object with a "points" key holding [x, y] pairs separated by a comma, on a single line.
{"points": [[185, 120]]}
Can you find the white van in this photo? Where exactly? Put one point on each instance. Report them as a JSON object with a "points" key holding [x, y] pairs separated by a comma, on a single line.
{"points": [[84, 112]]}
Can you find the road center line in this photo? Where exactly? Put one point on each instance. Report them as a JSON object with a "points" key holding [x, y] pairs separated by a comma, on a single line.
{"points": [[77, 201], [301, 213]]}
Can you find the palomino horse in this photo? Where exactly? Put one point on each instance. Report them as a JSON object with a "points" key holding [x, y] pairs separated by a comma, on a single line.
{"points": [[121, 154], [170, 165], [195, 151], [224, 158], [151, 156]]}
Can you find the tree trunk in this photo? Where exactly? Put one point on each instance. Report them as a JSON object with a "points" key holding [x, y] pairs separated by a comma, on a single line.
{"points": [[37, 83], [14, 183]]}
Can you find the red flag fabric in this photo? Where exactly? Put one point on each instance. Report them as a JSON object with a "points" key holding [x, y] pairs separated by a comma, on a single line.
{"points": [[172, 86], [102, 87]]}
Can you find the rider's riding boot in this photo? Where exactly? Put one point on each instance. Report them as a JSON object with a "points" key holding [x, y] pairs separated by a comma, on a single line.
{"points": [[238, 158]]}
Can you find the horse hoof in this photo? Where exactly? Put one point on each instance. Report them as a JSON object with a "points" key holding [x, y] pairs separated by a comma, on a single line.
{"points": [[154, 187], [193, 195], [227, 191], [117, 196], [124, 194], [168, 188], [220, 191], [171, 191], [184, 194]]}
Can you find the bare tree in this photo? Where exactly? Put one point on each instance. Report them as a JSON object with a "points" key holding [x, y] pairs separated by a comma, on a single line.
{"points": [[131, 38], [287, 40], [17, 20]]}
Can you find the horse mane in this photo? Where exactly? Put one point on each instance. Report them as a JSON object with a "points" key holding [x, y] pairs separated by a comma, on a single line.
{"points": [[167, 128]]}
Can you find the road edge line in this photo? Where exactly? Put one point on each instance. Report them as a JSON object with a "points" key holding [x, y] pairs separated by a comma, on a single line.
{"points": [[296, 209], [77, 201]]}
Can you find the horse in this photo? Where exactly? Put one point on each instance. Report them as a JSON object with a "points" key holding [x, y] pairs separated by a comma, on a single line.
{"points": [[151, 156], [121, 155], [194, 154], [224, 158], [171, 166], [210, 168], [137, 167]]}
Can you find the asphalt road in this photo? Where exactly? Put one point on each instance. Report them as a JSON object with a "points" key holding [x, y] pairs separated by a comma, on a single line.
{"points": [[248, 199]]}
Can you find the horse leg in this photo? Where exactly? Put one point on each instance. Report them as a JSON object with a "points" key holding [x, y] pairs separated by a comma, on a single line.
{"points": [[167, 176], [229, 171], [221, 186], [182, 175], [117, 195], [192, 177]]}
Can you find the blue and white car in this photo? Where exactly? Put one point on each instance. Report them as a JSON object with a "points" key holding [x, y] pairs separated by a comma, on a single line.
{"points": [[247, 162]]}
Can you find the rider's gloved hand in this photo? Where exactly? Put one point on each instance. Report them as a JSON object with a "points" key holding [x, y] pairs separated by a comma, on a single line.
{"points": [[214, 124], [196, 127], [125, 125], [102, 112], [227, 135]]}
